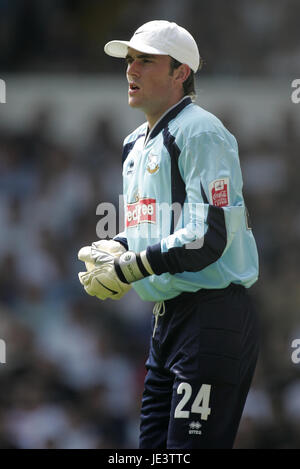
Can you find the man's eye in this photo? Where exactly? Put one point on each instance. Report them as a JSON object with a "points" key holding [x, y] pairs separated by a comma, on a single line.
{"points": [[130, 61]]}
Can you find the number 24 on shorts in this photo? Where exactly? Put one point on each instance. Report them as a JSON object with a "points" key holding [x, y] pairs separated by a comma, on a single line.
{"points": [[200, 404]]}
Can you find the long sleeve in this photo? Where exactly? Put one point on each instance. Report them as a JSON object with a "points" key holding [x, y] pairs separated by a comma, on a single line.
{"points": [[214, 209]]}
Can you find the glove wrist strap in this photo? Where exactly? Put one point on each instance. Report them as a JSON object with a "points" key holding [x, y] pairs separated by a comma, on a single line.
{"points": [[131, 267]]}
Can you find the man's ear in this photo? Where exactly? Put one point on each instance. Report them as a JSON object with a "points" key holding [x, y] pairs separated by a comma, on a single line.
{"points": [[182, 73]]}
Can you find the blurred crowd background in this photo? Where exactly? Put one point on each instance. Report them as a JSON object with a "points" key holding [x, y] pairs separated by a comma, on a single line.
{"points": [[74, 370]]}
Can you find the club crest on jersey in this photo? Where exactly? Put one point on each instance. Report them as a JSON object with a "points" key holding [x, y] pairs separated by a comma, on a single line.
{"points": [[219, 192], [152, 164]]}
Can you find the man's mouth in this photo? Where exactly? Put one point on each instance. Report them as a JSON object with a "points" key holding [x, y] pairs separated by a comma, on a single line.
{"points": [[133, 88]]}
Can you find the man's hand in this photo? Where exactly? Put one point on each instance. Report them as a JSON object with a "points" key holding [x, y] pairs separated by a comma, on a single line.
{"points": [[101, 280], [110, 272]]}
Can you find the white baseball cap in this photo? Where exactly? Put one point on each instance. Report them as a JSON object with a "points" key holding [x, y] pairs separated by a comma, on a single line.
{"points": [[160, 37]]}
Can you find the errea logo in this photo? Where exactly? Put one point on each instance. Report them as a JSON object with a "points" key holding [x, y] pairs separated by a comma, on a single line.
{"points": [[195, 428]]}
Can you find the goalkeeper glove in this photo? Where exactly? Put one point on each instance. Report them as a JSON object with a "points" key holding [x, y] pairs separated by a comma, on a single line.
{"points": [[95, 279], [89, 254], [110, 274]]}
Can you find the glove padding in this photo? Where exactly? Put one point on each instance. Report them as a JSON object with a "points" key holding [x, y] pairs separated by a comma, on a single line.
{"points": [[91, 254], [101, 280]]}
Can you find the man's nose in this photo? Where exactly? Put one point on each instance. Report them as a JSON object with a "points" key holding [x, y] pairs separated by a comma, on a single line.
{"points": [[133, 68]]}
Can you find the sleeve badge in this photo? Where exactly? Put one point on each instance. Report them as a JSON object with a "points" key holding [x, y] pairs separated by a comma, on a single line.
{"points": [[219, 192]]}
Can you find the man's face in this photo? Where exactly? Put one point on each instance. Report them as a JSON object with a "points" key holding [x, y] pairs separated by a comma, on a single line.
{"points": [[151, 86]]}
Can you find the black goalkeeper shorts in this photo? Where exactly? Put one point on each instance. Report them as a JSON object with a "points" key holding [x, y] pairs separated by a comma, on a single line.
{"points": [[200, 366]]}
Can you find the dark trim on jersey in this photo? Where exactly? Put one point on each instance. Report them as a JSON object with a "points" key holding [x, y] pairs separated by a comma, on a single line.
{"points": [[174, 111], [178, 192], [180, 259], [122, 241], [129, 146], [205, 199]]}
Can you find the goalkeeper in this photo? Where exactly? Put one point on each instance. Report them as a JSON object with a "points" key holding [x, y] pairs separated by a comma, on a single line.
{"points": [[195, 265]]}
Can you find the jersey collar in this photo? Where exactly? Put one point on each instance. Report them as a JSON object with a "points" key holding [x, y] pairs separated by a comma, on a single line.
{"points": [[170, 114]]}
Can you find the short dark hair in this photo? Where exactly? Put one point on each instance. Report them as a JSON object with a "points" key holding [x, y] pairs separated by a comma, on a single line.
{"points": [[189, 83]]}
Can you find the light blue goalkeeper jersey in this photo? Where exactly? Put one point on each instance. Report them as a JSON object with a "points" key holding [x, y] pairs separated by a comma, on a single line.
{"points": [[184, 204]]}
